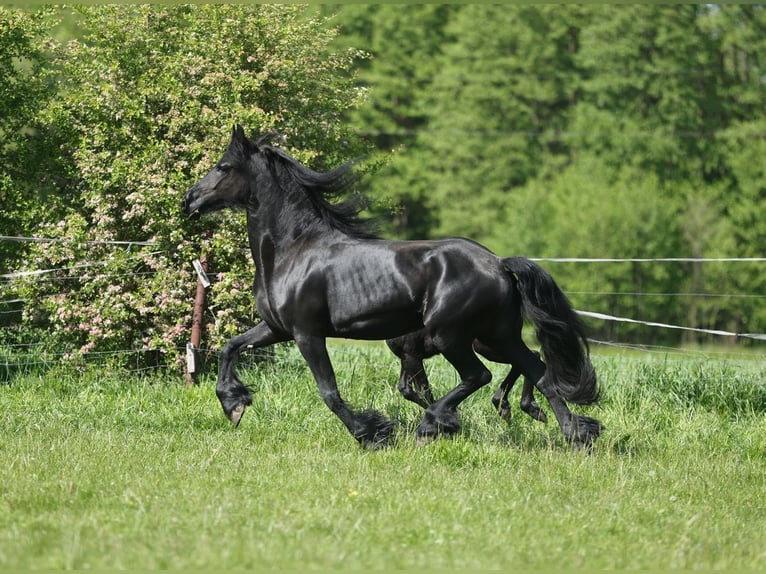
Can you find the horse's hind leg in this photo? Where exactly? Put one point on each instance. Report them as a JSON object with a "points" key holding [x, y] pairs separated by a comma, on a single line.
{"points": [[529, 404], [500, 398], [370, 428], [579, 430], [233, 395], [441, 416], [413, 381]]}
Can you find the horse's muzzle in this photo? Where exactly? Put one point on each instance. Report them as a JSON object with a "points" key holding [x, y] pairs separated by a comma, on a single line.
{"points": [[186, 207]]}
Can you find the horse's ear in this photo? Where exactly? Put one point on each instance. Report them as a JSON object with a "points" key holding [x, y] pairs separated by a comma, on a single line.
{"points": [[238, 134], [239, 140]]}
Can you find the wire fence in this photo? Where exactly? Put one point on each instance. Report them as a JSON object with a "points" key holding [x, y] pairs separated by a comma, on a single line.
{"points": [[28, 358], [39, 360]]}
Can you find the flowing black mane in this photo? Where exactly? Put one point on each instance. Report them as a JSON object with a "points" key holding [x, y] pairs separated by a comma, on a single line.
{"points": [[343, 215]]}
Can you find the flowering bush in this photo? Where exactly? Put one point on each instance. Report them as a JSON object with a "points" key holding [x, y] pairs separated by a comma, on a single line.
{"points": [[146, 101]]}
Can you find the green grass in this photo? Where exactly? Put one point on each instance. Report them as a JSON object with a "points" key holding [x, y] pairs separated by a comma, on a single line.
{"points": [[100, 470]]}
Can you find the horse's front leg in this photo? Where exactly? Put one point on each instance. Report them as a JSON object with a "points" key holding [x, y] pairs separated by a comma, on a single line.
{"points": [[235, 396], [370, 428]]}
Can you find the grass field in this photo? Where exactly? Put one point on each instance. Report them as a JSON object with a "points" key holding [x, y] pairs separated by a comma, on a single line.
{"points": [[108, 471]]}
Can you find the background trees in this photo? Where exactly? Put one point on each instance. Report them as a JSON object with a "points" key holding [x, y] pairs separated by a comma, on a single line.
{"points": [[22, 92], [597, 131], [551, 131]]}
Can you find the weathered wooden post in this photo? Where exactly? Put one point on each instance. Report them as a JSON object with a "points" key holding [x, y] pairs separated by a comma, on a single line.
{"points": [[193, 365]]}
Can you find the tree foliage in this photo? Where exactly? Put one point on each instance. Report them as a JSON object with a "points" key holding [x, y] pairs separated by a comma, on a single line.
{"points": [[146, 101], [545, 130], [22, 91], [595, 131]]}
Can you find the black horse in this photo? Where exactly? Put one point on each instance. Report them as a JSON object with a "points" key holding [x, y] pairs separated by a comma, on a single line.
{"points": [[320, 273], [413, 384]]}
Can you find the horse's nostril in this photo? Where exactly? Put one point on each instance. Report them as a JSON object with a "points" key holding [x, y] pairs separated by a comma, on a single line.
{"points": [[186, 203]]}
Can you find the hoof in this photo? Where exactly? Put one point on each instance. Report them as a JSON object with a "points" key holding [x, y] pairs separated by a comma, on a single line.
{"points": [[424, 440], [505, 413], [536, 413], [432, 426], [374, 430], [236, 414], [584, 431], [234, 397]]}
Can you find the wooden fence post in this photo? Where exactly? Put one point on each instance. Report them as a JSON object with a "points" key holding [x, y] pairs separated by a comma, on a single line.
{"points": [[193, 362]]}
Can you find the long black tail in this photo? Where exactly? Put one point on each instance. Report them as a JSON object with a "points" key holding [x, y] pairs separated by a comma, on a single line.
{"points": [[559, 331]]}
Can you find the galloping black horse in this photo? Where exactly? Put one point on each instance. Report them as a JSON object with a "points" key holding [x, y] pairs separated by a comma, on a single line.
{"points": [[320, 274]]}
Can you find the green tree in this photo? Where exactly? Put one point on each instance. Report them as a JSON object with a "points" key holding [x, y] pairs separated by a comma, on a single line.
{"points": [[741, 203], [404, 43], [22, 92], [147, 99], [591, 211], [648, 107], [649, 94], [600, 130], [499, 98], [677, 92]]}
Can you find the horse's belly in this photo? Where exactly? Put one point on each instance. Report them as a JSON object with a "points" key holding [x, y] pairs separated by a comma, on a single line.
{"points": [[370, 298], [384, 325]]}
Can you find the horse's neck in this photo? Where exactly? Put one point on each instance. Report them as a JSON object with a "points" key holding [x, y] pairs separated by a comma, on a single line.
{"points": [[272, 235]]}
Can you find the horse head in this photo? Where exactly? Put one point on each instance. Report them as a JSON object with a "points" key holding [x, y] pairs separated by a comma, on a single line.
{"points": [[260, 177], [227, 184]]}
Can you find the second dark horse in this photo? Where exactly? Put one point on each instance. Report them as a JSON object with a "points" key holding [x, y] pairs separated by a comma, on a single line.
{"points": [[320, 274]]}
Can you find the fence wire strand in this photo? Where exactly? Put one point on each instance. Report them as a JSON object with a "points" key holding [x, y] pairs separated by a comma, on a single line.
{"points": [[18, 358]]}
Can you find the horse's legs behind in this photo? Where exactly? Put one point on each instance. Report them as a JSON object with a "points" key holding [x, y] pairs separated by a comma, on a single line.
{"points": [[235, 396], [577, 429], [412, 349], [500, 398], [508, 346], [441, 416], [528, 403], [370, 428]]}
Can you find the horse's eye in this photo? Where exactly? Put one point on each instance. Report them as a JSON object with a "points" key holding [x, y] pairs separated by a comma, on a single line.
{"points": [[224, 167]]}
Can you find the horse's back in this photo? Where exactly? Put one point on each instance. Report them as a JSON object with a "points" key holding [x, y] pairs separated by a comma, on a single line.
{"points": [[462, 282]]}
